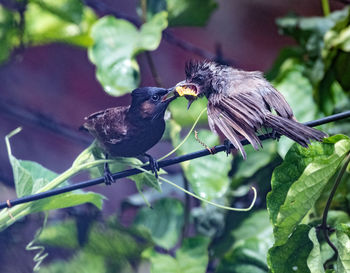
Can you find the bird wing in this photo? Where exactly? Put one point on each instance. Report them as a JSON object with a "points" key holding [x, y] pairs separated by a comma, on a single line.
{"points": [[275, 100], [107, 125], [237, 114]]}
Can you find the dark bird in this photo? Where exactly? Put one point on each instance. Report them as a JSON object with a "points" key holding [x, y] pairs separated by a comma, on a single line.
{"points": [[241, 102], [130, 131]]}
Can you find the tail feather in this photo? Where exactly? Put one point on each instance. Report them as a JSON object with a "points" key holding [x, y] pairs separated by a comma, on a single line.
{"points": [[294, 130]]}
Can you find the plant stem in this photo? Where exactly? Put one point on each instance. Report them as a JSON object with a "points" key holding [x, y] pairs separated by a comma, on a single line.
{"points": [[329, 201], [186, 137], [203, 199], [325, 7]]}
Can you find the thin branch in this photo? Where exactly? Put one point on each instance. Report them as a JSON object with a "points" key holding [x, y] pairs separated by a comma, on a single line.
{"points": [[30, 116], [345, 2], [162, 164], [153, 69], [329, 201]]}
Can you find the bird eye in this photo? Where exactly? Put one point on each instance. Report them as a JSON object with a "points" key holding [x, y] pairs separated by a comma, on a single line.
{"points": [[155, 97], [199, 78]]}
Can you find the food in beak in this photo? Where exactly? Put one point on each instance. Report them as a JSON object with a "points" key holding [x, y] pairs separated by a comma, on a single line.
{"points": [[186, 90]]}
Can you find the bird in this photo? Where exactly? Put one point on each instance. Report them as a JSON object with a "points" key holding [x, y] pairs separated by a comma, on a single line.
{"points": [[240, 103], [130, 131]]}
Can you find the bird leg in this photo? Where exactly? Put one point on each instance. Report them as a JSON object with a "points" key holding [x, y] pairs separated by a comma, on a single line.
{"points": [[153, 164], [274, 135], [228, 146], [107, 173]]}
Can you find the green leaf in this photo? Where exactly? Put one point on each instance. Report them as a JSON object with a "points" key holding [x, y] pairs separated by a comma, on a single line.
{"points": [[314, 261], [302, 176], [68, 10], [343, 246], [292, 255], [116, 44], [186, 117], [252, 239], [255, 160], [61, 234], [190, 13], [164, 222], [309, 31], [69, 199], [81, 262], [65, 21], [182, 12], [192, 257], [117, 246], [207, 175], [9, 32], [31, 177]]}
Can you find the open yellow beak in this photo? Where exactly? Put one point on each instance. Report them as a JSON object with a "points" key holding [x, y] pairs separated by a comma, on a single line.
{"points": [[186, 91]]}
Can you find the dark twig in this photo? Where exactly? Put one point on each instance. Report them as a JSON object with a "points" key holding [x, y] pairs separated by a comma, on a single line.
{"points": [[329, 201], [345, 2], [33, 117], [153, 69], [148, 55], [161, 164]]}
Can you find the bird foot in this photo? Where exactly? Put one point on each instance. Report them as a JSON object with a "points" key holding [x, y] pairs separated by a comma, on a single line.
{"points": [[274, 135], [107, 175], [153, 165], [228, 146]]}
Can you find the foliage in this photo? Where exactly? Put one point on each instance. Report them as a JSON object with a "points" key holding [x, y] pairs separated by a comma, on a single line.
{"points": [[312, 75]]}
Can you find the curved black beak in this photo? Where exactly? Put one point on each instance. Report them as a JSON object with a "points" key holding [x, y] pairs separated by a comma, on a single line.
{"points": [[170, 96]]}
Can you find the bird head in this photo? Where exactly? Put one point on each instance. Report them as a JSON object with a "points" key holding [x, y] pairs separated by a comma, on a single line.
{"points": [[198, 81], [151, 102]]}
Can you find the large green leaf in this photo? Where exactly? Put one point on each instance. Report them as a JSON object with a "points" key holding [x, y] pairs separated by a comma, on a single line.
{"points": [[314, 261], [116, 245], [291, 256], [192, 257], [164, 222], [68, 10], [65, 21], [81, 262], [309, 31], [9, 32], [116, 44], [182, 12], [299, 181], [343, 246], [66, 200], [31, 177], [207, 175], [252, 239]]}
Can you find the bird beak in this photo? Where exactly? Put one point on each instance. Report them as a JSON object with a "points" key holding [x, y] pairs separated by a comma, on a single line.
{"points": [[188, 90], [170, 96]]}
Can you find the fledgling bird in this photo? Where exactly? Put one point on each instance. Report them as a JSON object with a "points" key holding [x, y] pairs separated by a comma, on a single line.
{"points": [[241, 102], [130, 131]]}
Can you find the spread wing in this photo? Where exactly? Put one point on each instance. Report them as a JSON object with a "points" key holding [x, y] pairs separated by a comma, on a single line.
{"points": [[241, 111], [108, 126]]}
